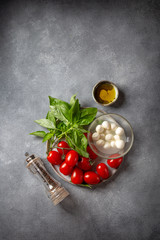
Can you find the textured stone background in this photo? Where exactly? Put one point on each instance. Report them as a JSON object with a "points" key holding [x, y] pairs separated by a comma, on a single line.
{"points": [[60, 48]]}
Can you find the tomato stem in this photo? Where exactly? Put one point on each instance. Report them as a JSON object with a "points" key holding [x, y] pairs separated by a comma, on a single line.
{"points": [[91, 162], [85, 185]]}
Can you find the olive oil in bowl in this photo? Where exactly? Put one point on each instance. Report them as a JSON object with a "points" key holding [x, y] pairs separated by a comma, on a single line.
{"points": [[105, 93]]}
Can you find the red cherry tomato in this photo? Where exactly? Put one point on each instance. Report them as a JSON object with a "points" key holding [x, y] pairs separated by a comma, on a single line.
{"points": [[77, 176], [63, 144], [65, 168], [114, 163], [92, 155], [54, 157], [71, 158], [91, 177], [102, 170], [84, 164]]}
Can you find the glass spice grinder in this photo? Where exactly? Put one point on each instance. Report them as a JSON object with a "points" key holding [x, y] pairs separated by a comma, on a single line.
{"points": [[53, 188]]}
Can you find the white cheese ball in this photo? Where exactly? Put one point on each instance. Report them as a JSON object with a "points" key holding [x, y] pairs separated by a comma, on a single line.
{"points": [[95, 136], [113, 144], [102, 136], [108, 137], [116, 137], [119, 131], [100, 142], [107, 131], [107, 146], [113, 126], [106, 125], [120, 144], [99, 129]]}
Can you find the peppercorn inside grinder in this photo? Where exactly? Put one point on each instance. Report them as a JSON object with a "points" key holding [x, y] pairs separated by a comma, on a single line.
{"points": [[53, 188]]}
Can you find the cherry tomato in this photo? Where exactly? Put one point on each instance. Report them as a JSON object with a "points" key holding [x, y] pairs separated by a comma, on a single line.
{"points": [[77, 176], [102, 170], [114, 163], [71, 158], [91, 177], [84, 164], [92, 155], [54, 157], [63, 144], [65, 168]]}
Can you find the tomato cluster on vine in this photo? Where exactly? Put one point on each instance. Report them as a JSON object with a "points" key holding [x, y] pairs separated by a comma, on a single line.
{"points": [[80, 168]]}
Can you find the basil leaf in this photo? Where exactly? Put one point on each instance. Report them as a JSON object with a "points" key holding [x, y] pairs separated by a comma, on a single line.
{"points": [[47, 115], [47, 137], [62, 127], [39, 133], [59, 114], [88, 111], [82, 130], [56, 101], [82, 140], [77, 140], [60, 109], [73, 99], [46, 123], [52, 118], [77, 148], [87, 115], [81, 152], [69, 141], [75, 111]]}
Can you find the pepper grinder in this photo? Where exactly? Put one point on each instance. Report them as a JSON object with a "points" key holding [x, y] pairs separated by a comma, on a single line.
{"points": [[53, 188]]}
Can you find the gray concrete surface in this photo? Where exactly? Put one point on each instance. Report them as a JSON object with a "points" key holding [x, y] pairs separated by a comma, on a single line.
{"points": [[60, 48]]}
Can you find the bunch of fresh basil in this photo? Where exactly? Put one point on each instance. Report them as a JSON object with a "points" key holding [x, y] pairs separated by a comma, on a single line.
{"points": [[67, 120]]}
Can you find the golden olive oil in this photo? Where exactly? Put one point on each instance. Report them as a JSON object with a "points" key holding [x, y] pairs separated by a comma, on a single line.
{"points": [[105, 93]]}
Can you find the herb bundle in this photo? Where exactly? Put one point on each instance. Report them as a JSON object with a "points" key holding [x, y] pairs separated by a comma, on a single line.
{"points": [[67, 120]]}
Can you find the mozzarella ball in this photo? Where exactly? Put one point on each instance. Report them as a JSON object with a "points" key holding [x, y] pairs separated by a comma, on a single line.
{"points": [[108, 137], [112, 143], [116, 137], [95, 136], [106, 125], [119, 131], [102, 136], [107, 145], [100, 142], [120, 144], [113, 126], [99, 129], [107, 131]]}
